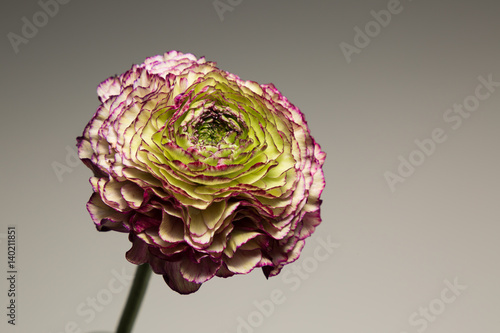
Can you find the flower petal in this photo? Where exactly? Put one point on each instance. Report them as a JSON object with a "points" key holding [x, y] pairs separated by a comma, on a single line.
{"points": [[176, 281]]}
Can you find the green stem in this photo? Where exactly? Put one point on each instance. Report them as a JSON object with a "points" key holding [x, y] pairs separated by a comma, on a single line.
{"points": [[134, 300]]}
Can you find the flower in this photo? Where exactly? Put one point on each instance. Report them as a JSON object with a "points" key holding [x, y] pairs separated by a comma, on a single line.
{"points": [[209, 174]]}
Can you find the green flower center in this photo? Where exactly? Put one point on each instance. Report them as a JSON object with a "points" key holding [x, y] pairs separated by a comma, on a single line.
{"points": [[212, 130], [216, 126]]}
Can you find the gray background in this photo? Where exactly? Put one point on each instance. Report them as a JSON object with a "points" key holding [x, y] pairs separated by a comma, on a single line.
{"points": [[396, 247]]}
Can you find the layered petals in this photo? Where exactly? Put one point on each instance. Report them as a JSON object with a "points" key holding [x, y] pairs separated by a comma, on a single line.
{"points": [[208, 173]]}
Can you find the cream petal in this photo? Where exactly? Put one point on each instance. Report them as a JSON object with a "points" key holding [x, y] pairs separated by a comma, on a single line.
{"points": [[133, 195], [242, 262], [108, 88], [171, 228], [236, 239]]}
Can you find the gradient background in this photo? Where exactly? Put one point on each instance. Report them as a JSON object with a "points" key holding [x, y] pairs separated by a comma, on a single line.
{"points": [[396, 248]]}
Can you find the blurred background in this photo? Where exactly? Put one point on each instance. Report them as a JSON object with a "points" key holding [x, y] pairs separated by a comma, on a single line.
{"points": [[403, 96]]}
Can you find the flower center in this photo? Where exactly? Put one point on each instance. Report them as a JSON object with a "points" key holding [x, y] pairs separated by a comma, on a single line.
{"points": [[212, 130], [215, 126]]}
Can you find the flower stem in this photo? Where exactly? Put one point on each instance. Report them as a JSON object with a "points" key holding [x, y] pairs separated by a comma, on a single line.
{"points": [[134, 300]]}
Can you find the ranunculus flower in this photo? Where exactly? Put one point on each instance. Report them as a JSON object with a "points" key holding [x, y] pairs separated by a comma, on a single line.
{"points": [[209, 174]]}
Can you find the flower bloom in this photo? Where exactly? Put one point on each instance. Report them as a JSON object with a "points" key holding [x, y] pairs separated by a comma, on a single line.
{"points": [[209, 174]]}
